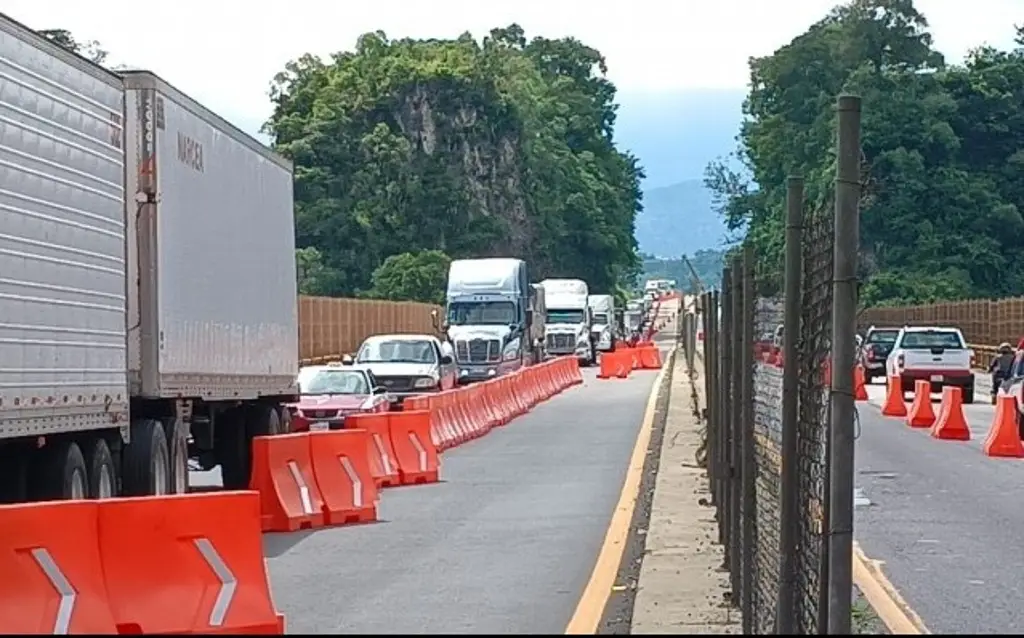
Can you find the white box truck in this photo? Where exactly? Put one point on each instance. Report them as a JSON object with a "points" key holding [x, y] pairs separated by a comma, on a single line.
{"points": [[148, 307]]}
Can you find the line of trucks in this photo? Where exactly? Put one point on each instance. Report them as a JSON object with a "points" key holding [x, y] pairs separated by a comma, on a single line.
{"points": [[497, 321], [148, 300]]}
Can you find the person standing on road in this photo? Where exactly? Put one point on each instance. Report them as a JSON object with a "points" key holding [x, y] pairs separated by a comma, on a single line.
{"points": [[1002, 363]]}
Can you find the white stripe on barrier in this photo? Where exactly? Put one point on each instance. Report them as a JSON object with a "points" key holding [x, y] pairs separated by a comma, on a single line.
{"points": [[228, 582], [307, 503], [62, 623], [383, 453], [357, 485], [419, 450]]}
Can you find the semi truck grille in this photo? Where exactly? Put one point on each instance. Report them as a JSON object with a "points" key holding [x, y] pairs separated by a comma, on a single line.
{"points": [[477, 350], [561, 342], [396, 384]]}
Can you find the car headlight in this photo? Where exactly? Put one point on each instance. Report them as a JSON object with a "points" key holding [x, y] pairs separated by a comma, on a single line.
{"points": [[425, 382]]}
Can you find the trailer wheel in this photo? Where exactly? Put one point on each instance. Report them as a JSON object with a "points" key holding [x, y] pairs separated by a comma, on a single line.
{"points": [[264, 420], [177, 449], [285, 415], [145, 467], [60, 472], [102, 470]]}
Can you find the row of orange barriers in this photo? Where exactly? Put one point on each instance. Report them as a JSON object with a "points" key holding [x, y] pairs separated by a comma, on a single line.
{"points": [[1003, 439], [189, 564], [469, 412], [619, 363], [193, 564]]}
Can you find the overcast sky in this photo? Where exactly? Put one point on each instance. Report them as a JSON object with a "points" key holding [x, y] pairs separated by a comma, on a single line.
{"points": [[224, 52]]}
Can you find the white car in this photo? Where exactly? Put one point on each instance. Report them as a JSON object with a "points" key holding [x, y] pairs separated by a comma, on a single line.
{"points": [[409, 364], [937, 355]]}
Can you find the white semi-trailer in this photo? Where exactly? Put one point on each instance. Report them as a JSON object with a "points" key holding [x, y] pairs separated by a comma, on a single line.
{"points": [[148, 307]]}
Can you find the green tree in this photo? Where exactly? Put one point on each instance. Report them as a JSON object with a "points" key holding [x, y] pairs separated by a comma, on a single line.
{"points": [[940, 211], [313, 278], [419, 276], [499, 148], [89, 49]]}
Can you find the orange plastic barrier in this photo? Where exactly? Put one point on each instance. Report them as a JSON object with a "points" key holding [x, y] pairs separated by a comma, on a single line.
{"points": [[469, 412], [615, 365], [51, 577], [921, 414], [186, 564], [951, 424], [650, 358], [383, 465], [860, 390], [894, 403], [341, 466], [1004, 436], [282, 472], [410, 438]]}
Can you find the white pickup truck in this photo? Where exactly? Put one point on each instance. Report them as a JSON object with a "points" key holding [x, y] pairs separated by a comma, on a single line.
{"points": [[937, 355]]}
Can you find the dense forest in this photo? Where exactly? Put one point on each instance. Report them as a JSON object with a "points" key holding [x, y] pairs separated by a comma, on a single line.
{"points": [[410, 153], [943, 152], [429, 150]]}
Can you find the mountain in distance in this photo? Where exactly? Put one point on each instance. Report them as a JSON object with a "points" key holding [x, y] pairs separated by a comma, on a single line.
{"points": [[676, 135], [679, 219]]}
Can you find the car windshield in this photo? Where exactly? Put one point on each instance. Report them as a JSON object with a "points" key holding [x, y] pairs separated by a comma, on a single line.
{"points": [[335, 382], [931, 339], [565, 316], [601, 319], [481, 313], [883, 336], [397, 351]]}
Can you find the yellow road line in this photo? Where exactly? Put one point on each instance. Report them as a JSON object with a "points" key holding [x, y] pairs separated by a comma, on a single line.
{"points": [[590, 608], [885, 600]]}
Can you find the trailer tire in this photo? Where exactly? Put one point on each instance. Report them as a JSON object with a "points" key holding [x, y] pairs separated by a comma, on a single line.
{"points": [[145, 464], [264, 420], [102, 470], [177, 450], [60, 472]]}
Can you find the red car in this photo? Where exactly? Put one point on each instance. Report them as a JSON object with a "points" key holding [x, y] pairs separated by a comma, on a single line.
{"points": [[329, 393]]}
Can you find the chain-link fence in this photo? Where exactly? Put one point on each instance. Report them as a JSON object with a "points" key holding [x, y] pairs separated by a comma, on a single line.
{"points": [[769, 420]]}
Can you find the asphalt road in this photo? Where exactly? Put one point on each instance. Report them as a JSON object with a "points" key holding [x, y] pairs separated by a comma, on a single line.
{"points": [[945, 519], [505, 544]]}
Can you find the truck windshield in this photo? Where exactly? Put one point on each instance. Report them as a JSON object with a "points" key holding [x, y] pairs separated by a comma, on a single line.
{"points": [[565, 316], [481, 313], [601, 319]]}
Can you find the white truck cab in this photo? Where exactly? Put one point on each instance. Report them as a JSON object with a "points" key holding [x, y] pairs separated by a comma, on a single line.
{"points": [[569, 319], [603, 329]]}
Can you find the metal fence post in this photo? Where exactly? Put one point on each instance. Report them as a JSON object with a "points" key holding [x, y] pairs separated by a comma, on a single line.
{"points": [[711, 363], [746, 423], [724, 394], [789, 531], [844, 326], [735, 430]]}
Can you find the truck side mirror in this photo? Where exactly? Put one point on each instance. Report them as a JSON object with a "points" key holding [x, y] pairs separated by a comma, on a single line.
{"points": [[434, 320]]}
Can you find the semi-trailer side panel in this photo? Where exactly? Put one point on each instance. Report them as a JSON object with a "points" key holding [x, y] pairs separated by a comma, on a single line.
{"points": [[216, 313], [62, 240]]}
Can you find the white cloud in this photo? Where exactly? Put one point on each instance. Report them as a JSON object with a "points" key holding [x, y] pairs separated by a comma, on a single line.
{"points": [[224, 52]]}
